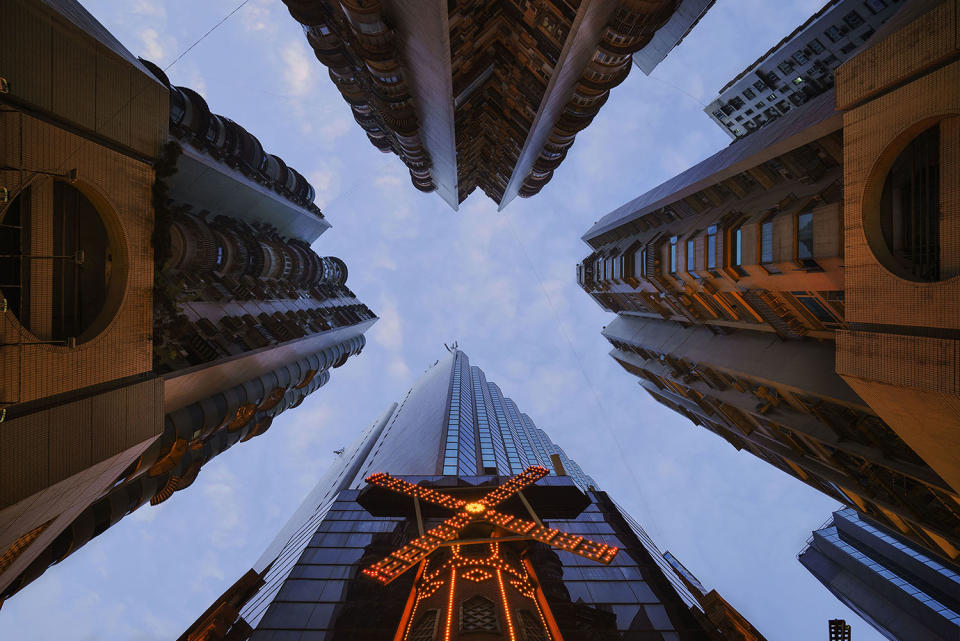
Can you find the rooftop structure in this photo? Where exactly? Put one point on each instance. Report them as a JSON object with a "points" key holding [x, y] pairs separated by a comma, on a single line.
{"points": [[800, 66]]}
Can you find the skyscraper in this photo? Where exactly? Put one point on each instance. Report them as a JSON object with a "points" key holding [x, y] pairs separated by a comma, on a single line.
{"points": [[799, 67], [481, 94], [160, 299], [795, 293], [449, 516], [902, 591]]}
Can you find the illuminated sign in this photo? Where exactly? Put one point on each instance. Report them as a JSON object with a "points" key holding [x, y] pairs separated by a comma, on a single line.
{"points": [[402, 559]]}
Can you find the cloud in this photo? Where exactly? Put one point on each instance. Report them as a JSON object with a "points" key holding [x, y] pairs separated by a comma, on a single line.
{"points": [[219, 488], [388, 332], [152, 49], [297, 68], [148, 8]]}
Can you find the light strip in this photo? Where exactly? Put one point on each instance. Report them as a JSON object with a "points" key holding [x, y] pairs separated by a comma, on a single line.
{"points": [[506, 607]]}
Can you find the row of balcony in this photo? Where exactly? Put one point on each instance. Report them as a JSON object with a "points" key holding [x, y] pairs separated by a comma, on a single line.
{"points": [[192, 121]]}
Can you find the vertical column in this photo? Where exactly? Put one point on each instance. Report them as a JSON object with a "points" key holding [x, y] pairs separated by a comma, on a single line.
{"points": [[39, 273]]}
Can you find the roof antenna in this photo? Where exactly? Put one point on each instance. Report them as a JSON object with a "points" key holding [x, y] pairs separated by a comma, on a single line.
{"points": [[452, 347]]}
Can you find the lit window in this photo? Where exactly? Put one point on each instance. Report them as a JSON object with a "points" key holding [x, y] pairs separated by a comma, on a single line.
{"points": [[673, 254]]}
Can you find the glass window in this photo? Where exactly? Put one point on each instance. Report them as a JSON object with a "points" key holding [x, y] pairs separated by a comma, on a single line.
{"points": [[800, 58], [853, 19], [815, 46], [805, 236], [759, 85], [748, 94], [673, 254], [712, 247], [766, 242], [691, 256], [833, 33], [875, 6], [785, 67], [737, 246]]}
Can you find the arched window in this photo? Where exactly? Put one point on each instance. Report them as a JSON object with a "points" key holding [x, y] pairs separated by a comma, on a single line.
{"points": [[56, 261], [425, 629], [910, 209], [478, 614]]}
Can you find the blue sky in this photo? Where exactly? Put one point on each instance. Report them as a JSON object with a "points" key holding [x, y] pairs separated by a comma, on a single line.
{"points": [[501, 284]]}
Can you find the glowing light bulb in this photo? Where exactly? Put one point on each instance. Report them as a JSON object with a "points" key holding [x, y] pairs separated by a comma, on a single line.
{"points": [[474, 508]]}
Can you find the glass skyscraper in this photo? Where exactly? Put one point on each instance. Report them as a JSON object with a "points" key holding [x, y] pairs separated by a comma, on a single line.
{"points": [[897, 587], [530, 548]]}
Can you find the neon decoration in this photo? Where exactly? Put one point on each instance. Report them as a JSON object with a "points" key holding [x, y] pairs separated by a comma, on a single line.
{"points": [[405, 557]]}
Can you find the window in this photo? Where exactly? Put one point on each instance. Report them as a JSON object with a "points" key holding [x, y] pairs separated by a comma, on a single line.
{"points": [[833, 33], [805, 239], [691, 257], [847, 48], [798, 80], [875, 6], [640, 262], [324, 30], [771, 97], [800, 58], [425, 629], [712, 247], [853, 19], [748, 94], [815, 308], [531, 626], [866, 34], [478, 614], [785, 67], [766, 247], [736, 256], [759, 85], [718, 114], [815, 46], [736, 102], [910, 209], [673, 254]]}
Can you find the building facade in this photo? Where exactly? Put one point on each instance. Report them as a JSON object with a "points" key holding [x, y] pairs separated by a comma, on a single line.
{"points": [[160, 299], [379, 550], [900, 590], [799, 67], [475, 94], [793, 295]]}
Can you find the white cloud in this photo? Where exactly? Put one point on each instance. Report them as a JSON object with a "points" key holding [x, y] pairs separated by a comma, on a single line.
{"points": [[388, 331], [152, 49], [298, 68], [148, 8]]}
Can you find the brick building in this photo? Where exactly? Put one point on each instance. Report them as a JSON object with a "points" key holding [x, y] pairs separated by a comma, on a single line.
{"points": [[796, 292], [160, 299]]}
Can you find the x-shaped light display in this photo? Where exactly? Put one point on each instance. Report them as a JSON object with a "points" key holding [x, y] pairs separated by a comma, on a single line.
{"points": [[405, 557]]}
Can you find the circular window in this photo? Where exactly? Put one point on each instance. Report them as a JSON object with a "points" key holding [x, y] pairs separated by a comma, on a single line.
{"points": [[56, 263], [904, 220]]}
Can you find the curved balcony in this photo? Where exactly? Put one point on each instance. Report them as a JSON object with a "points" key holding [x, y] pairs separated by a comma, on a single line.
{"points": [[307, 12]]}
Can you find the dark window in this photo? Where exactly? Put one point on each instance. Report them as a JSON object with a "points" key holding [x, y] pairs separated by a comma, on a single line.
{"points": [[748, 112], [718, 114], [748, 94], [759, 85], [785, 67], [833, 33], [814, 307], [673, 254], [739, 118], [425, 627], [847, 48], [478, 614], [712, 247], [875, 6], [910, 208], [866, 34], [532, 626], [805, 236], [853, 19], [736, 102], [815, 46], [800, 58], [766, 247]]}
